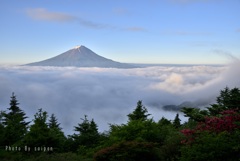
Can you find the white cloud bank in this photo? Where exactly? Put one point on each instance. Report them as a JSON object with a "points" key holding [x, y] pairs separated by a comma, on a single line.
{"points": [[108, 95]]}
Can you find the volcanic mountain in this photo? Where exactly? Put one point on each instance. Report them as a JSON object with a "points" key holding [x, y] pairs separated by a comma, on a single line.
{"points": [[81, 56]]}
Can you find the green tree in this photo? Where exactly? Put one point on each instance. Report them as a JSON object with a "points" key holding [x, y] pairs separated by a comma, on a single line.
{"points": [[39, 134], [87, 133], [163, 121], [14, 123], [228, 99], [177, 121], [211, 146], [137, 130], [56, 134], [2, 129], [53, 123], [195, 114], [140, 113], [213, 134]]}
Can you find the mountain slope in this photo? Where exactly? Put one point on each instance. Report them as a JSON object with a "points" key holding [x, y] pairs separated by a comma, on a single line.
{"points": [[81, 56]]}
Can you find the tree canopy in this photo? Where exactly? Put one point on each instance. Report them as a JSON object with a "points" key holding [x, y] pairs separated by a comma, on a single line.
{"points": [[140, 113], [209, 134], [15, 126]]}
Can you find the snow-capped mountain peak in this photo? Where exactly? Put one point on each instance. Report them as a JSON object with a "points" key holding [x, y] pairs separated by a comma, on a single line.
{"points": [[77, 47], [81, 56]]}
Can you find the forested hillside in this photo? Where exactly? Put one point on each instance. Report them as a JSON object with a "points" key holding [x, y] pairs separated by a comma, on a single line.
{"points": [[209, 134]]}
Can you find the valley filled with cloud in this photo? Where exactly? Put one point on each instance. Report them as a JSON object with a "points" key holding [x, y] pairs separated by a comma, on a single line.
{"points": [[107, 94]]}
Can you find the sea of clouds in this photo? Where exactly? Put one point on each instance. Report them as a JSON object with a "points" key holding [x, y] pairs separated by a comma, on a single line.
{"points": [[107, 95]]}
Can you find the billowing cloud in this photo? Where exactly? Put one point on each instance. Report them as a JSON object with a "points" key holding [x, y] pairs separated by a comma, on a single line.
{"points": [[108, 95]]}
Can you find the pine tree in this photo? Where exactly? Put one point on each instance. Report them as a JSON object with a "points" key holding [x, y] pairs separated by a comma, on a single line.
{"points": [[57, 136], [53, 123], [163, 121], [228, 99], [87, 133], [2, 129], [39, 134], [140, 113], [177, 121], [14, 123]]}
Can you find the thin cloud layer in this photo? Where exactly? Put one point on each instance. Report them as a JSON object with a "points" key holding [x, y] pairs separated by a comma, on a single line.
{"points": [[190, 1], [42, 14], [108, 95], [45, 15], [136, 29], [121, 11]]}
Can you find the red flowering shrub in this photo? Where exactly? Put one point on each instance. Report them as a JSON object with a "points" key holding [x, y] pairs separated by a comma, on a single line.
{"points": [[189, 133], [228, 121]]}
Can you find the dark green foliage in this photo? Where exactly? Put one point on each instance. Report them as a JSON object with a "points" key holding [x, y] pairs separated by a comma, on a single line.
{"points": [[177, 121], [214, 147], [164, 134], [11, 156], [39, 134], [53, 123], [194, 113], [14, 156], [2, 130], [228, 99], [87, 136], [163, 121], [209, 137], [170, 149], [140, 113], [56, 134], [203, 137], [56, 157], [15, 126], [136, 130], [129, 151]]}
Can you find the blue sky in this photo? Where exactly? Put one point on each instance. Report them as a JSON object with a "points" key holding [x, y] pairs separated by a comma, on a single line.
{"points": [[145, 31]]}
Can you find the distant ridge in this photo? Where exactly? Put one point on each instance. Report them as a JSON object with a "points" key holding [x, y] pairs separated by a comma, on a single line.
{"points": [[81, 56]]}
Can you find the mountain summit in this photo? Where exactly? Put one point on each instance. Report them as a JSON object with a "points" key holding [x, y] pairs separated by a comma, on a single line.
{"points": [[80, 56]]}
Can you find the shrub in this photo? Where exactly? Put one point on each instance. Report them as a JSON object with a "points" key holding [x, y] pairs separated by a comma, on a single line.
{"points": [[130, 151]]}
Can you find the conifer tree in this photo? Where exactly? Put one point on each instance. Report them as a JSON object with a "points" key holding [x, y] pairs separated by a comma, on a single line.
{"points": [[39, 134], [163, 121], [177, 121], [14, 123], [140, 113], [228, 99], [57, 136], [87, 133], [2, 129], [53, 123]]}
